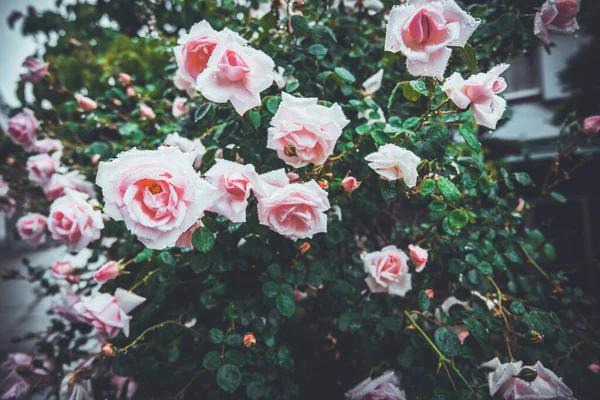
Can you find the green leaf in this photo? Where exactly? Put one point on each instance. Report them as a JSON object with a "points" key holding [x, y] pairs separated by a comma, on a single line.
{"points": [[349, 321], [448, 189], [270, 289], [229, 378], [427, 187], [255, 118], [203, 240], [437, 206], [363, 129], [424, 300], [392, 97], [394, 324], [235, 357], [469, 136], [172, 352], [411, 123], [274, 271], [410, 94], [144, 255], [478, 331], [299, 25], [558, 197], [212, 361], [469, 57], [420, 87], [234, 339], [318, 50], [202, 111], [285, 305], [447, 342], [290, 87], [215, 336], [345, 74], [549, 251], [523, 178], [485, 267], [255, 390], [273, 104], [458, 219]]}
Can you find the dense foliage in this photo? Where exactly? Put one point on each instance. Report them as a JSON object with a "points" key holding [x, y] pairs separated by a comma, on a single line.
{"points": [[317, 327]]}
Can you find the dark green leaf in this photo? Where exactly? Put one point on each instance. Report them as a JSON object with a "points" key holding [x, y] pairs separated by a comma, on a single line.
{"points": [[229, 378], [215, 336], [345, 74], [203, 240], [458, 219], [469, 57], [212, 361], [424, 301], [299, 25], [285, 305], [447, 342], [202, 111], [470, 137]]}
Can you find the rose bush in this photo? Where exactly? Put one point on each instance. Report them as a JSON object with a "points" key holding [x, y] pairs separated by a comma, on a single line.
{"points": [[283, 210]]}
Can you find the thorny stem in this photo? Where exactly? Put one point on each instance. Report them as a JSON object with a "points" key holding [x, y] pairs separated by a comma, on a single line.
{"points": [[532, 261], [503, 314], [158, 326], [442, 357], [138, 283]]}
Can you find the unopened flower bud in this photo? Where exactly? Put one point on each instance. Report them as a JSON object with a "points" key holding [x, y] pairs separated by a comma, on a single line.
{"points": [[130, 91], [429, 293], [85, 103], [147, 111], [108, 350], [95, 158], [124, 78], [527, 374], [534, 337], [249, 340], [323, 184], [304, 248], [350, 184], [117, 102]]}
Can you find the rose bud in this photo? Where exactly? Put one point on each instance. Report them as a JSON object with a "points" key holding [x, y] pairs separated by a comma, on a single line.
{"points": [[350, 184], [117, 102], [323, 184], [130, 91], [249, 340], [292, 176], [304, 248], [419, 256], [534, 337], [65, 270], [95, 158], [520, 206], [108, 271], [429, 293], [591, 126], [147, 111], [124, 78], [10, 161], [108, 350], [300, 296], [595, 368], [86, 103], [75, 42]]}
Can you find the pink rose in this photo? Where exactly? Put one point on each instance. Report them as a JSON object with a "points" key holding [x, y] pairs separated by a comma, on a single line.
{"points": [[503, 379], [182, 83], [236, 73], [303, 132], [482, 91], [520, 206], [85, 103], [3, 187], [130, 92], [393, 162], [386, 387], [63, 269], [179, 107], [388, 271], [124, 78], [47, 145], [196, 48], [32, 228], [373, 84], [8, 206], [147, 111], [595, 368], [300, 296], [556, 16], [14, 387], [22, 128], [74, 221], [591, 125], [430, 293], [95, 158], [233, 182], [419, 256], [157, 193], [63, 305], [423, 29], [119, 382], [186, 145], [71, 180], [37, 70], [17, 360], [296, 211], [41, 167], [185, 240], [350, 184], [273, 180], [109, 314], [108, 271], [75, 387]]}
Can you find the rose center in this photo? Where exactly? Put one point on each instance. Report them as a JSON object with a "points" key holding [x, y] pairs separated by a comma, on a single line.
{"points": [[567, 11], [421, 27], [155, 188]]}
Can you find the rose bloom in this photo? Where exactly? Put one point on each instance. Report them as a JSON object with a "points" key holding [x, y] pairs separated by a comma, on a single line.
{"points": [[481, 91], [108, 271], [32, 228], [388, 271], [234, 183], [157, 193], [236, 73], [419, 256], [183, 84], [197, 47], [3, 187], [41, 167], [147, 111], [75, 387], [350, 184], [63, 303], [393, 162], [37, 70], [14, 387], [74, 221], [591, 125], [124, 78], [311, 130], [8, 206], [296, 211], [423, 30], [186, 145], [502, 379], [85, 103], [71, 180], [109, 314], [594, 367], [179, 107], [22, 128], [386, 387], [373, 84], [557, 16], [271, 181], [17, 360], [47, 145]]}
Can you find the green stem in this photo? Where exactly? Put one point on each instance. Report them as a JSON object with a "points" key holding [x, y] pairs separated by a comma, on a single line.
{"points": [[158, 326], [443, 358], [531, 260]]}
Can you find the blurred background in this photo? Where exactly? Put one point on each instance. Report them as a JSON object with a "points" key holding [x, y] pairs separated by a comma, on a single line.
{"points": [[542, 89]]}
